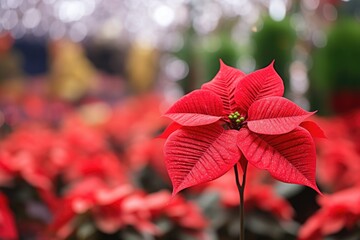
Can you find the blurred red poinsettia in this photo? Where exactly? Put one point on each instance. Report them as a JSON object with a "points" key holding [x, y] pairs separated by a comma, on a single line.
{"points": [[132, 127], [259, 194], [338, 211], [339, 155], [339, 165], [79, 170], [31, 153], [113, 209]]}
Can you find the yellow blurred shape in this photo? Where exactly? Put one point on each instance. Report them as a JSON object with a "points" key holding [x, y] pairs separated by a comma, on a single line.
{"points": [[71, 73]]}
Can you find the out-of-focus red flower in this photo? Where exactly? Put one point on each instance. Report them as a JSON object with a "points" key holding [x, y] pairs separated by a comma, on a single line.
{"points": [[113, 209], [104, 165], [352, 120], [133, 125], [338, 211], [79, 199], [136, 115], [127, 210], [31, 153], [83, 138], [339, 164], [185, 214], [339, 155], [259, 194], [34, 106], [141, 210], [7, 224]]}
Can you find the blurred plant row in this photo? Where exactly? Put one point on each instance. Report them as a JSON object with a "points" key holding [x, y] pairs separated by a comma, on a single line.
{"points": [[95, 170]]}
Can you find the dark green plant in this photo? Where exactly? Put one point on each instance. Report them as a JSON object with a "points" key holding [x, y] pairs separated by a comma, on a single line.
{"points": [[275, 41], [336, 66]]}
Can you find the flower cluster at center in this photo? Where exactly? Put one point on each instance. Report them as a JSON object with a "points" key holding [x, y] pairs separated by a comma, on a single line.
{"points": [[236, 120]]}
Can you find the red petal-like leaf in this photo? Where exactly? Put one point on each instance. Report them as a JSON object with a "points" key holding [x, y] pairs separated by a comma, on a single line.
{"points": [[169, 130], [196, 155], [275, 115], [224, 84], [197, 108], [259, 84], [289, 157], [313, 129]]}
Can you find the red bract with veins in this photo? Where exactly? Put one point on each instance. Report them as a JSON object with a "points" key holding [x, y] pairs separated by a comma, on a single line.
{"points": [[237, 116]]}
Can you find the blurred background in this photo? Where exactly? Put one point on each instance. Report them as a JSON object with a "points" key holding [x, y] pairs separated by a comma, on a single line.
{"points": [[83, 84]]}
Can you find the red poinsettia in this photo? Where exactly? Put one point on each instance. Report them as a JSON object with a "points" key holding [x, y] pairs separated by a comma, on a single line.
{"points": [[113, 209], [338, 211], [236, 117]]}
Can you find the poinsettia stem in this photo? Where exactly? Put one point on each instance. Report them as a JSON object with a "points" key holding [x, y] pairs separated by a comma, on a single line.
{"points": [[241, 188]]}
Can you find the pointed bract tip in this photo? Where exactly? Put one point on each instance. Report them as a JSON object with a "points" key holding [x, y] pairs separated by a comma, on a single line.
{"points": [[178, 189], [174, 193], [317, 190], [312, 113], [222, 64], [271, 65], [313, 186], [224, 67]]}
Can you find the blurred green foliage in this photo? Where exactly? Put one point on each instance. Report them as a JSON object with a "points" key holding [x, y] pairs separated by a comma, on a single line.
{"points": [[336, 66], [334, 69], [220, 46], [275, 41], [203, 55], [189, 54]]}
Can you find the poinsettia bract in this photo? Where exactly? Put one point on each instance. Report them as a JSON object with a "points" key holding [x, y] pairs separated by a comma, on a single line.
{"points": [[237, 116]]}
